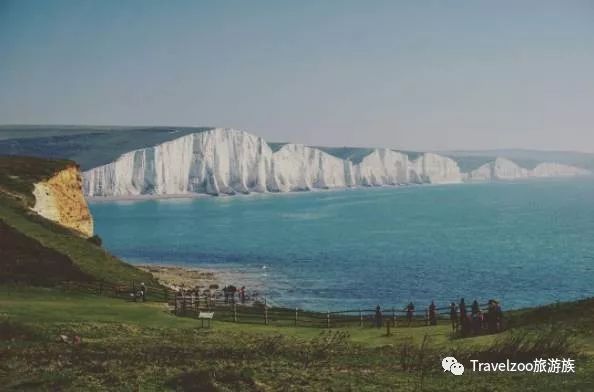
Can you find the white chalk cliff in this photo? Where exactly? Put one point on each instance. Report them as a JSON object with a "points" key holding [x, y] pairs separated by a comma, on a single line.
{"points": [[548, 169], [502, 169], [499, 169], [229, 161]]}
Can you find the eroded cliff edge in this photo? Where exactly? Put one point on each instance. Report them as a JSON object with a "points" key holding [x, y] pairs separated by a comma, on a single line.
{"points": [[60, 198]]}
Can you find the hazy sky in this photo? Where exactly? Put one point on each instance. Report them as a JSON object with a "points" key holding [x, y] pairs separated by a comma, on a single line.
{"points": [[403, 74]]}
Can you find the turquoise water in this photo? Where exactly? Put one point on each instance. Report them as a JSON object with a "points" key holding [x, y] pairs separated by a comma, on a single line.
{"points": [[523, 243]]}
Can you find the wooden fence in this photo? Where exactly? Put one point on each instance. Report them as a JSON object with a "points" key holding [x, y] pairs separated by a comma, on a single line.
{"points": [[261, 313], [256, 310]]}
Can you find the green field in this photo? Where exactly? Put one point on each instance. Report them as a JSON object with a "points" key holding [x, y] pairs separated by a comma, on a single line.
{"points": [[141, 346]]}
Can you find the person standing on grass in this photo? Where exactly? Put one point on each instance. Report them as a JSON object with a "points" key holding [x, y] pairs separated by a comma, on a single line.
{"points": [[143, 291], [432, 314], [410, 312], [242, 294], [463, 320], [378, 316], [454, 316], [476, 317], [498, 317], [226, 293]]}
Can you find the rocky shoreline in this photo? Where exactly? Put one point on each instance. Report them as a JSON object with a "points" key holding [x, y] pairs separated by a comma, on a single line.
{"points": [[181, 277]]}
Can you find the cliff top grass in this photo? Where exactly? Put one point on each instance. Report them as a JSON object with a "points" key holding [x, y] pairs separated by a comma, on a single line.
{"points": [[18, 174]]}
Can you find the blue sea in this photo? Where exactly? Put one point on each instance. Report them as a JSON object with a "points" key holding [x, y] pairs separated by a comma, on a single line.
{"points": [[524, 243]]}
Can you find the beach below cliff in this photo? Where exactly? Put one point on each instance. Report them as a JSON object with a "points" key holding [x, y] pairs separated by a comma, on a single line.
{"points": [[177, 277]]}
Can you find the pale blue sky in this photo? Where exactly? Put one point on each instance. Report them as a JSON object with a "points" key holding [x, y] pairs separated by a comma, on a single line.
{"points": [[404, 74]]}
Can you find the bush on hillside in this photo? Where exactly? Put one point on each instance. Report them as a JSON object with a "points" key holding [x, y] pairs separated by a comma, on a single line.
{"points": [[95, 240]]}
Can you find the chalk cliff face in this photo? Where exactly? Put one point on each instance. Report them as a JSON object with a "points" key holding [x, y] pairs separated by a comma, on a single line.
{"points": [[213, 162], [228, 161], [558, 170], [435, 169], [383, 167], [499, 169], [296, 167], [503, 169], [60, 199]]}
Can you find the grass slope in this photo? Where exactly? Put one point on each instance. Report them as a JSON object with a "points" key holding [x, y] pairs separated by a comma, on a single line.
{"points": [[34, 244], [26, 260], [19, 174]]}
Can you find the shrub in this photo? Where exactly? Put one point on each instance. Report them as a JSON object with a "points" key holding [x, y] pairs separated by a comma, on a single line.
{"points": [[95, 240]]}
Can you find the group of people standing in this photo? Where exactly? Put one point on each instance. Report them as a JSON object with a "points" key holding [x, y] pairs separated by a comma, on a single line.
{"points": [[230, 291], [478, 320]]}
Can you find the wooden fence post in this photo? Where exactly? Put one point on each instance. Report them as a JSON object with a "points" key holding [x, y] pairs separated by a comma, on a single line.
{"points": [[234, 312], [393, 317], [360, 318], [328, 319], [296, 315]]}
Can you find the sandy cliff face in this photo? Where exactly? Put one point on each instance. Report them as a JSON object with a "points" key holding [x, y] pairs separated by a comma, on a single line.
{"points": [[61, 199]]}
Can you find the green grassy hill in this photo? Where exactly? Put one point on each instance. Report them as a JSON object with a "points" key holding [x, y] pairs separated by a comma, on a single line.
{"points": [[36, 250]]}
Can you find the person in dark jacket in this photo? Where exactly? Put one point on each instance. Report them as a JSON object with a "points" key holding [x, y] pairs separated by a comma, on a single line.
{"points": [[410, 312], [454, 316], [463, 319], [476, 317], [432, 314], [378, 317]]}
